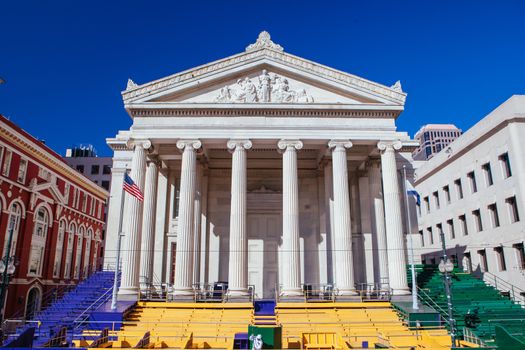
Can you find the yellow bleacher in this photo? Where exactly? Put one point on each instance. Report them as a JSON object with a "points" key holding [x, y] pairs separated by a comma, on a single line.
{"points": [[185, 325], [352, 324]]}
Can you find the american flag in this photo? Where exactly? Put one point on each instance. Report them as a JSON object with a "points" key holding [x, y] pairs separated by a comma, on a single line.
{"points": [[132, 188]]}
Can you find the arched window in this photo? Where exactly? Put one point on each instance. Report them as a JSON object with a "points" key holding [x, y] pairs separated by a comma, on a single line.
{"points": [[59, 249], [69, 251], [78, 256], [38, 241], [87, 252], [15, 213]]}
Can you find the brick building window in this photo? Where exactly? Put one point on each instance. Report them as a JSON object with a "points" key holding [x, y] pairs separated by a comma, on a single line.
{"points": [[7, 163]]}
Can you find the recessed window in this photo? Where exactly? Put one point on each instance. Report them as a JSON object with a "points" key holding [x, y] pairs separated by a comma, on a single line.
{"points": [[520, 255], [95, 169], [483, 265], [472, 180], [450, 224], [489, 181], [477, 219], [505, 165], [7, 163], [464, 227], [440, 232], [80, 168], [430, 235], [500, 254], [513, 209], [105, 184], [494, 217], [467, 262], [436, 199], [459, 188], [446, 190], [427, 204], [22, 170], [422, 238], [106, 169]]}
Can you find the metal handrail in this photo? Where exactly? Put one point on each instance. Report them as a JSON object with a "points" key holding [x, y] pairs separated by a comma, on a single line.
{"points": [[97, 302], [494, 281], [430, 302]]}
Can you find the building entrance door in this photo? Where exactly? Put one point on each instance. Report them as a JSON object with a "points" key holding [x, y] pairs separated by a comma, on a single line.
{"points": [[264, 234]]}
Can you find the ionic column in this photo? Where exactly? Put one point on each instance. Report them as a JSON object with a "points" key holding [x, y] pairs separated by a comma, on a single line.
{"points": [[129, 282], [238, 265], [393, 218], [185, 244], [148, 224], [344, 277], [291, 245], [378, 223]]}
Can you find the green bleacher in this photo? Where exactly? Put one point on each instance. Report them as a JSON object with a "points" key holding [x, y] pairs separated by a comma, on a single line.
{"points": [[477, 305]]}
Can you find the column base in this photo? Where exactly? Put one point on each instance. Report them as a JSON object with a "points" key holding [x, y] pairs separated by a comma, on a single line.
{"points": [[346, 292], [128, 294], [183, 294], [401, 291], [237, 295], [292, 295]]}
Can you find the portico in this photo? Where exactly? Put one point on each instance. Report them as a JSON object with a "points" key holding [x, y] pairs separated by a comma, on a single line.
{"points": [[266, 171]]}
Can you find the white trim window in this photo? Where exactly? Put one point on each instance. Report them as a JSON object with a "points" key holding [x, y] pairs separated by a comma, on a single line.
{"points": [[22, 170], [60, 247], [1, 154], [87, 252], [7, 163], [38, 242], [15, 213], [69, 251], [78, 257]]}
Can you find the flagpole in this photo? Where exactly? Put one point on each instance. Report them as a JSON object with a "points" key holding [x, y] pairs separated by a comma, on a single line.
{"points": [[117, 264], [415, 305]]}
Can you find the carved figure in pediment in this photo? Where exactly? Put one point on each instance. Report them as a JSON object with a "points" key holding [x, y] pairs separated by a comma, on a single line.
{"points": [[250, 91], [281, 91], [265, 86], [237, 92], [224, 95], [303, 97]]}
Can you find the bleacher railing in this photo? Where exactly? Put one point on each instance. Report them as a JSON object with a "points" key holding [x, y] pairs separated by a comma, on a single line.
{"points": [[327, 292], [471, 337], [513, 292]]}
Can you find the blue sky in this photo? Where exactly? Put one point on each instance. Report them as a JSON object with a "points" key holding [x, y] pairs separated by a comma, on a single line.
{"points": [[66, 62]]}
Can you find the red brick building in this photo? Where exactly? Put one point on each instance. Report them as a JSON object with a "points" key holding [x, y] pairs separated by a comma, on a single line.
{"points": [[51, 216]]}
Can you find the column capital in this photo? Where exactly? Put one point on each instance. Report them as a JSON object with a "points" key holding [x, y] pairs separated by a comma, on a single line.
{"points": [[153, 158], [191, 144], [234, 144], [389, 145], [339, 144], [144, 143], [284, 144]]}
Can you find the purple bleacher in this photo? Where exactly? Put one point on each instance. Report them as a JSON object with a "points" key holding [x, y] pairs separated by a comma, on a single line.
{"points": [[265, 307], [73, 308]]}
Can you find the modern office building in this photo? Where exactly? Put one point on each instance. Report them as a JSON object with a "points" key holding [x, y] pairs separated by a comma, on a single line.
{"points": [[85, 160], [433, 138], [475, 194]]}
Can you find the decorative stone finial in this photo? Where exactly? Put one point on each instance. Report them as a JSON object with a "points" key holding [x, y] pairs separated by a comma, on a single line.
{"points": [[264, 41], [397, 86], [131, 84]]}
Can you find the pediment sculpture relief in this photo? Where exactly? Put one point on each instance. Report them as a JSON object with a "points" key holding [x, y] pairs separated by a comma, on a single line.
{"points": [[268, 88]]}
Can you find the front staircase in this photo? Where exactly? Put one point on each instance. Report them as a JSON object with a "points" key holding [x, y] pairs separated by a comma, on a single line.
{"points": [[476, 305], [73, 309]]}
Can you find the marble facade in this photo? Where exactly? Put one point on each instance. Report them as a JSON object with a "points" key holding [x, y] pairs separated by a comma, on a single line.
{"points": [[262, 169]]}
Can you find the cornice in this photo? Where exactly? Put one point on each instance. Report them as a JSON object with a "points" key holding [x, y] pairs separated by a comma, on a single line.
{"points": [[296, 62], [255, 112], [51, 162]]}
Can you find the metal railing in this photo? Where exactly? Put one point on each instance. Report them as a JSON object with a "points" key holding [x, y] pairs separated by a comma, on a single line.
{"points": [[428, 301], [100, 300], [471, 337], [319, 292], [515, 293]]}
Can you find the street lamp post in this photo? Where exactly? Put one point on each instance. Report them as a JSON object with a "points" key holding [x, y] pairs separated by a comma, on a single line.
{"points": [[7, 268], [446, 267]]}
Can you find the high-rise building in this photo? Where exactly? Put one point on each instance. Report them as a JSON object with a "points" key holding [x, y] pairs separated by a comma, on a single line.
{"points": [[85, 160], [433, 138]]}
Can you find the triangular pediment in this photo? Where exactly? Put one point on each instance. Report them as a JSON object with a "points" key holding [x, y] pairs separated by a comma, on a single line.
{"points": [[262, 75]]}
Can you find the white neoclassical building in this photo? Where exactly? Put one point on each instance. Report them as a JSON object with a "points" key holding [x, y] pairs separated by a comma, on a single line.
{"points": [[262, 169]]}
